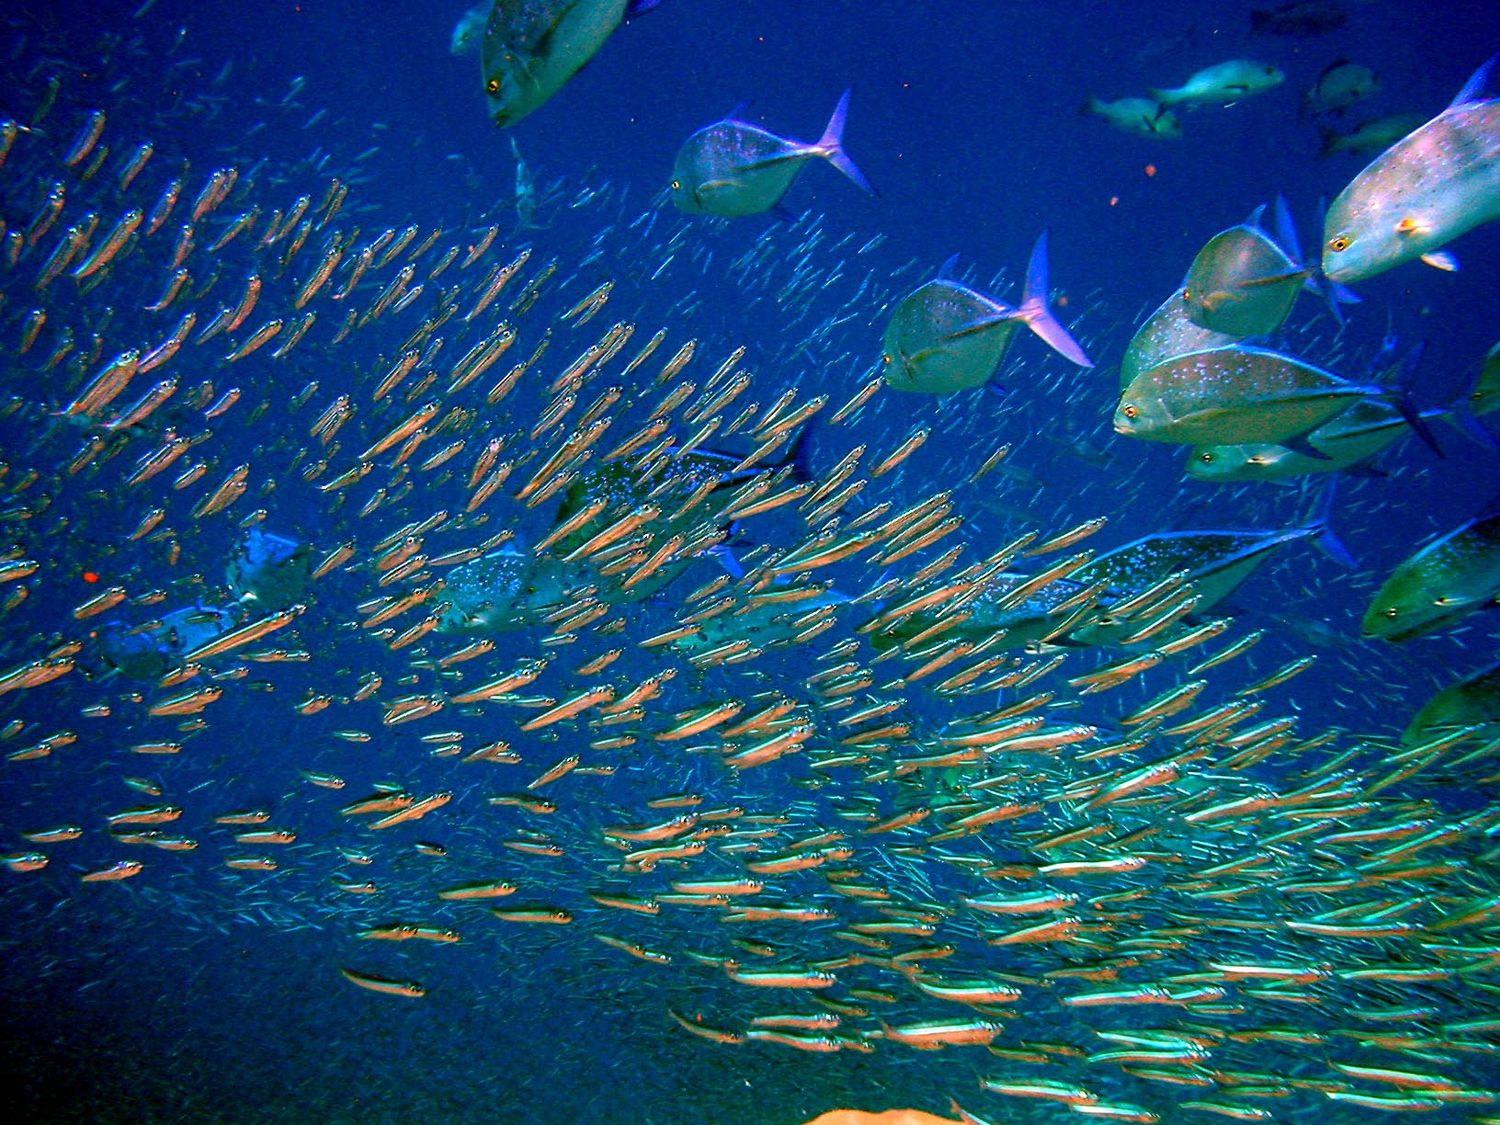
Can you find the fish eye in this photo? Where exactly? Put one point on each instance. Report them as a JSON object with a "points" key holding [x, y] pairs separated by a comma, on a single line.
{"points": [[1338, 243], [676, 185], [1187, 294], [492, 86], [1390, 612], [886, 359], [1206, 458], [1128, 411]]}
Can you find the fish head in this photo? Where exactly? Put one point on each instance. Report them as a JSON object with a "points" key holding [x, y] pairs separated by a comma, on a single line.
{"points": [[1141, 411], [1408, 605], [532, 47], [1368, 230], [1226, 462]]}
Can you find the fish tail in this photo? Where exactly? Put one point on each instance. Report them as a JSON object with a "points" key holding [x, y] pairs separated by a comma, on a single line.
{"points": [[1164, 98], [1320, 526], [831, 146], [1465, 421], [1038, 314]]}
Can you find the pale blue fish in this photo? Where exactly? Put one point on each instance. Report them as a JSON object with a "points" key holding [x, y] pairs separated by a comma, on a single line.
{"points": [[1434, 184], [945, 337], [733, 168]]}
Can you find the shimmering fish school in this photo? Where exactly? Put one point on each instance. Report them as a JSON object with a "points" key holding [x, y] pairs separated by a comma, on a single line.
{"points": [[1205, 908]]}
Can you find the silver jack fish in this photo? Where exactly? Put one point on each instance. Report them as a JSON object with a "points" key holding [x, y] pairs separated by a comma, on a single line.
{"points": [[532, 47], [1424, 191], [946, 337], [734, 168]]}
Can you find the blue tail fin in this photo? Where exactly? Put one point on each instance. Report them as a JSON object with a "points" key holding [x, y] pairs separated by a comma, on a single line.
{"points": [[1037, 313], [831, 144], [1320, 525]]}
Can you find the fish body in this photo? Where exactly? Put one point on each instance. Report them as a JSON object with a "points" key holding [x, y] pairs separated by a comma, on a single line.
{"points": [[945, 337], [1434, 184], [1167, 333], [733, 168], [1370, 136], [1242, 283], [1472, 701], [532, 47], [1233, 395], [1140, 116], [1340, 85], [1448, 577], [1222, 84], [1352, 438], [496, 593]]}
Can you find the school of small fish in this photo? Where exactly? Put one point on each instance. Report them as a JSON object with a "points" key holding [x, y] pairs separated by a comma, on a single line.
{"points": [[646, 652]]}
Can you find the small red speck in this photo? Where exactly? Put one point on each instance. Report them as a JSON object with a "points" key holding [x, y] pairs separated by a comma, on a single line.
{"points": [[1061, 301], [1114, 201], [1150, 169], [90, 576]]}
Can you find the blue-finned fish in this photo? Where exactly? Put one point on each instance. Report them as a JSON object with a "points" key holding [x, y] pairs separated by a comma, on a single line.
{"points": [[734, 168]]}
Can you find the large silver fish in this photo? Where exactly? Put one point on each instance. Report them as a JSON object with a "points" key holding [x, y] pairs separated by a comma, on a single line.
{"points": [[1233, 395], [1424, 191], [734, 168], [946, 337], [532, 47]]}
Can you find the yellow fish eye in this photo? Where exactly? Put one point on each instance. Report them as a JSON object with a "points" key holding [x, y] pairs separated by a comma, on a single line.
{"points": [[886, 359], [676, 185], [1338, 243], [492, 86], [1187, 295], [1128, 411]]}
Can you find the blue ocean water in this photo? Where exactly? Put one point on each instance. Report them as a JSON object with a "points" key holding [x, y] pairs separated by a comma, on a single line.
{"points": [[198, 993]]}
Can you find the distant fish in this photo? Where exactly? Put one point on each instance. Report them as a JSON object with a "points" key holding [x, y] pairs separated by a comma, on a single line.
{"points": [[532, 47], [946, 337], [1370, 136], [1340, 85], [1141, 116], [1223, 84], [1433, 185], [734, 168], [1299, 18]]}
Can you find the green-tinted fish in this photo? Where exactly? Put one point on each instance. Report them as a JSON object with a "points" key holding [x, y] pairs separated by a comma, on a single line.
{"points": [[1141, 116], [1473, 701], [1434, 184], [1167, 333], [1223, 84], [946, 337], [735, 168], [1371, 136], [1341, 84], [1351, 439], [1446, 578], [532, 47], [1242, 282], [1233, 395]]}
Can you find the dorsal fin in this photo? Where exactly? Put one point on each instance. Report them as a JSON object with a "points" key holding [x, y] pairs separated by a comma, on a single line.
{"points": [[948, 271], [1478, 81]]}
